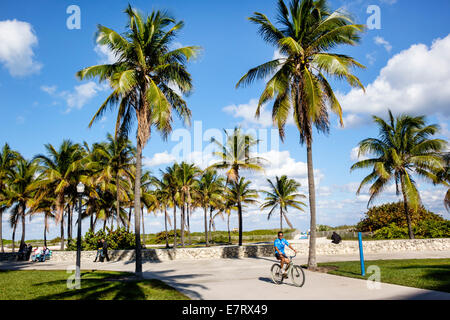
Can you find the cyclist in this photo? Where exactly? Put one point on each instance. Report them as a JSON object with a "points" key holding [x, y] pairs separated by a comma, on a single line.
{"points": [[279, 245]]}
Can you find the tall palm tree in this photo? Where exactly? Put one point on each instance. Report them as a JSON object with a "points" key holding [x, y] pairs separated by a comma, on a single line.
{"points": [[142, 80], [235, 156], [306, 31], [209, 189], [283, 194], [163, 197], [8, 158], [19, 191], [404, 147], [61, 173]]}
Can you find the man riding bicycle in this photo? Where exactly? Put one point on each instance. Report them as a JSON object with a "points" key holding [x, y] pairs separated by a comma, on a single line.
{"points": [[279, 245]]}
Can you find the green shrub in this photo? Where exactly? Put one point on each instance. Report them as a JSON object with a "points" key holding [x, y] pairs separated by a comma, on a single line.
{"points": [[119, 239], [381, 216], [161, 236], [432, 229], [391, 232]]}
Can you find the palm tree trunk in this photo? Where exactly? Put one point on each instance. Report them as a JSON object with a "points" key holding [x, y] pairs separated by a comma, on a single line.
{"points": [[281, 219], [288, 222], [408, 218], [1, 231], [92, 222], [165, 227], [188, 223], [210, 224], [182, 225], [174, 223], [206, 226], [228, 227], [129, 219], [22, 240], [137, 208], [240, 222], [45, 230], [14, 237], [312, 263], [62, 232], [117, 201], [143, 227], [104, 225]]}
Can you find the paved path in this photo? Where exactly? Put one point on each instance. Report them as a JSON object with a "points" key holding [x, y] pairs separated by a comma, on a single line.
{"points": [[249, 278]]}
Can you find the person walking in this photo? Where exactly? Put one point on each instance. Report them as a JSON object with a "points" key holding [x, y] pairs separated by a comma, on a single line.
{"points": [[105, 249]]}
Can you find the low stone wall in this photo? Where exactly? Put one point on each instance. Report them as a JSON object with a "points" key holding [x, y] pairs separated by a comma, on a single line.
{"points": [[262, 250]]}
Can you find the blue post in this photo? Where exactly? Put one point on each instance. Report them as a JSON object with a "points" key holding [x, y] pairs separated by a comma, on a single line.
{"points": [[361, 255]]}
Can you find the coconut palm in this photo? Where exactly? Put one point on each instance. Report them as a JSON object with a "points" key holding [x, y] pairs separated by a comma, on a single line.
{"points": [[235, 156], [114, 167], [307, 30], [162, 194], [19, 191], [283, 194], [186, 179], [403, 148], [145, 80], [240, 194], [8, 158], [61, 173], [208, 191], [169, 176]]}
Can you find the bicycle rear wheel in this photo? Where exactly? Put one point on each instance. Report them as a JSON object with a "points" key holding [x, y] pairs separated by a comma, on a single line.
{"points": [[277, 273], [298, 276]]}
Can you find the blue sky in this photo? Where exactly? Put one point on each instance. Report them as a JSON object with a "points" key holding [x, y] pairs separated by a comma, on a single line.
{"points": [[407, 70]]}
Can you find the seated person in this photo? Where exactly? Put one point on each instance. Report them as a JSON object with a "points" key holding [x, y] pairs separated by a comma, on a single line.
{"points": [[335, 238]]}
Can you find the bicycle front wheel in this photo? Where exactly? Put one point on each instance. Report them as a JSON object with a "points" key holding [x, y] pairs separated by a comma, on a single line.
{"points": [[277, 274], [298, 276]]}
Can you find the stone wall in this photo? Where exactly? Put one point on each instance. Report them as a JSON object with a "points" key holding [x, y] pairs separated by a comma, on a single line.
{"points": [[262, 250]]}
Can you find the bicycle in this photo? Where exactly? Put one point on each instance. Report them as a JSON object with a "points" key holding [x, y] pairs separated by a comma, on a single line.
{"points": [[295, 272]]}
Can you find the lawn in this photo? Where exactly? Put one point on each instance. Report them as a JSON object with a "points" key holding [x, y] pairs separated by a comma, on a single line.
{"points": [[95, 285], [432, 274]]}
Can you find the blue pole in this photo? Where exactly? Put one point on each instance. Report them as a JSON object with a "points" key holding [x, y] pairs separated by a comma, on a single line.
{"points": [[361, 255]]}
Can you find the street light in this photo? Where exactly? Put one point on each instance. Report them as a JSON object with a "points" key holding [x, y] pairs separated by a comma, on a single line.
{"points": [[80, 190]]}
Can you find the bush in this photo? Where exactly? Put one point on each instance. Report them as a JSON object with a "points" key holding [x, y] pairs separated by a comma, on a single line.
{"points": [[391, 232], [423, 229], [382, 216], [161, 236], [119, 239]]}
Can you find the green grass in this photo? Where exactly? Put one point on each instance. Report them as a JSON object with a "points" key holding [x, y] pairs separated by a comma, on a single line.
{"points": [[95, 285], [432, 274]]}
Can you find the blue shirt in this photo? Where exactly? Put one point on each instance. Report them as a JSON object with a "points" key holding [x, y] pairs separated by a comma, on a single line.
{"points": [[280, 244]]}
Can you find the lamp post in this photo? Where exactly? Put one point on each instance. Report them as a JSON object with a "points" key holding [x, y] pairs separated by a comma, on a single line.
{"points": [[80, 190]]}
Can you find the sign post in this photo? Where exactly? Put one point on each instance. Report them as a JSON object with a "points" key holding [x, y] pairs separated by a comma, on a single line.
{"points": [[361, 255]]}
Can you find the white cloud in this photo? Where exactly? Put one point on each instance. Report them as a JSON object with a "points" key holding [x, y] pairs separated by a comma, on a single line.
{"points": [[79, 96], [17, 39], [382, 42], [371, 57], [105, 54], [159, 159], [414, 80]]}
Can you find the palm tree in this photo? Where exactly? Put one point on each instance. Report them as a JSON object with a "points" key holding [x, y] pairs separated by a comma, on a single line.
{"points": [[235, 156], [162, 200], [61, 173], [307, 30], [114, 165], [169, 177], [283, 194], [19, 191], [142, 80], [8, 159], [402, 149], [239, 194], [186, 178], [209, 189]]}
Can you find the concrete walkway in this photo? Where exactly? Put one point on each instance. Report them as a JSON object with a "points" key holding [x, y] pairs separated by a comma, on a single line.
{"points": [[249, 278]]}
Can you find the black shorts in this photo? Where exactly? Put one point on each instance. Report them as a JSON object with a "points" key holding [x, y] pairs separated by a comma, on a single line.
{"points": [[277, 255]]}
